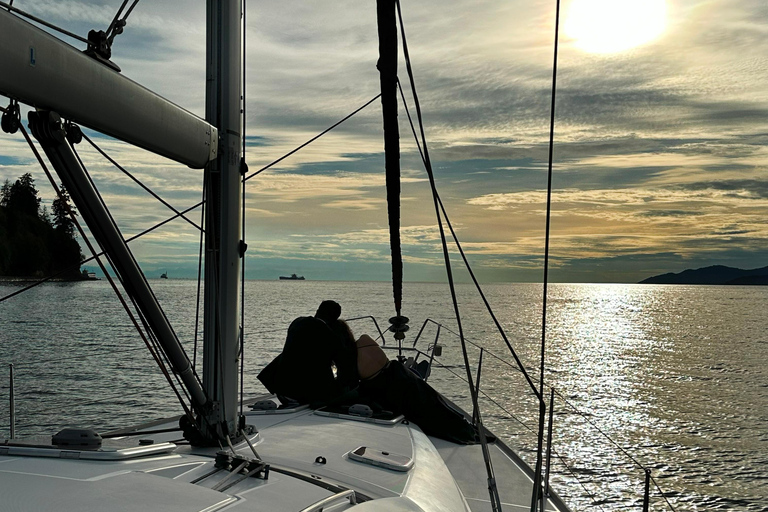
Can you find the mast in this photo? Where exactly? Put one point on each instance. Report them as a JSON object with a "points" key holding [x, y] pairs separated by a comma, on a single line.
{"points": [[223, 240]]}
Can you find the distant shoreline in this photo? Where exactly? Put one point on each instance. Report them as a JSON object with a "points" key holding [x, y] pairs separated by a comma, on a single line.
{"points": [[713, 275], [32, 279]]}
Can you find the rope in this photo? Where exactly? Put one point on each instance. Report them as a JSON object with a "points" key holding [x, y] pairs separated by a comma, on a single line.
{"points": [[493, 492], [11, 8]]}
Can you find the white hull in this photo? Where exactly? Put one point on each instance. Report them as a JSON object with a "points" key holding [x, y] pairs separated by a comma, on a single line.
{"points": [[444, 476]]}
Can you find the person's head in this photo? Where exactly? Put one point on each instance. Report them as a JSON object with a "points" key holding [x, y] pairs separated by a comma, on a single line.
{"points": [[329, 311]]}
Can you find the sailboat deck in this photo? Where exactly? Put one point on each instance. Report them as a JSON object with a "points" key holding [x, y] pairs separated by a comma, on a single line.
{"points": [[309, 458]]}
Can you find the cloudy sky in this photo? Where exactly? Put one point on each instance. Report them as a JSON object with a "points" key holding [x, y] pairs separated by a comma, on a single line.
{"points": [[660, 140]]}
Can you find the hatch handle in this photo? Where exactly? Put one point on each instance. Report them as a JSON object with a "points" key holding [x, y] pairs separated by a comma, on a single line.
{"points": [[349, 494]]}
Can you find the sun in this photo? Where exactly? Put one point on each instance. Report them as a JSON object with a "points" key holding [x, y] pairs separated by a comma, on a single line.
{"points": [[611, 26]]}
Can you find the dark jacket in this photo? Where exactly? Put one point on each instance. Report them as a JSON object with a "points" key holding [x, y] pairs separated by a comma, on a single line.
{"points": [[303, 370]]}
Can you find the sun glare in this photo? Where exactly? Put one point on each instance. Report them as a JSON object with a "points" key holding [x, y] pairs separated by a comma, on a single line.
{"points": [[611, 26]]}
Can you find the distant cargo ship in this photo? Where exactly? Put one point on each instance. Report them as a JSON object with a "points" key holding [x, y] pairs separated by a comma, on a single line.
{"points": [[293, 277]]}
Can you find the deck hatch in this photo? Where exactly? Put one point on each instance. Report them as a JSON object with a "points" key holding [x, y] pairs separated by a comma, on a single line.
{"points": [[381, 458]]}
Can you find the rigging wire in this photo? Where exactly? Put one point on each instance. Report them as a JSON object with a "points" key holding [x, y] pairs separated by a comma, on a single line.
{"points": [[243, 246], [199, 279], [95, 256], [150, 333], [93, 251], [313, 139], [194, 206], [573, 407], [542, 406], [663, 494], [492, 489], [116, 27], [12, 9], [520, 367], [141, 314], [532, 431], [138, 182], [91, 248]]}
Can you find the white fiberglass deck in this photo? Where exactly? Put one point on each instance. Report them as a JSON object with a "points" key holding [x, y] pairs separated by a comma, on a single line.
{"points": [[310, 470]]}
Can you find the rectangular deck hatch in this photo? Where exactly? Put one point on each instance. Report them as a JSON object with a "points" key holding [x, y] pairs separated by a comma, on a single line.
{"points": [[111, 449]]}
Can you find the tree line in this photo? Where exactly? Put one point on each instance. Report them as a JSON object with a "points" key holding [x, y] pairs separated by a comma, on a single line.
{"points": [[33, 241]]}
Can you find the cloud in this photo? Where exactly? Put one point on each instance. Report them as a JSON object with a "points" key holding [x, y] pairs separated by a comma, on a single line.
{"points": [[659, 151]]}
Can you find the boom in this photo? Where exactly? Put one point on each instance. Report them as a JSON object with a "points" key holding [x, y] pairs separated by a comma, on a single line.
{"points": [[46, 73]]}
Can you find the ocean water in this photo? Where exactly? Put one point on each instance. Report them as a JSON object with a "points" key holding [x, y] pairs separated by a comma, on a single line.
{"points": [[669, 378]]}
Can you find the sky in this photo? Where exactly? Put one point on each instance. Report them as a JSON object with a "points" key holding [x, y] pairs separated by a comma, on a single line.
{"points": [[660, 136]]}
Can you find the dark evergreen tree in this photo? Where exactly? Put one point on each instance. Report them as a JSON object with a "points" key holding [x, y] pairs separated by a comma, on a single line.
{"points": [[65, 235], [5, 193], [23, 196], [30, 243], [62, 221]]}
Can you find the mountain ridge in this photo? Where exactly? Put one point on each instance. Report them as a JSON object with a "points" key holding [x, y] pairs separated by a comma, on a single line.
{"points": [[714, 274]]}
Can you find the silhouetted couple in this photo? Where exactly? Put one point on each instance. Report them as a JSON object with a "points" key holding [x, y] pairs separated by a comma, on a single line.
{"points": [[315, 345]]}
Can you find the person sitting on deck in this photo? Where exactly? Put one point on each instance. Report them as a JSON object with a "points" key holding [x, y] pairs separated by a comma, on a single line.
{"points": [[304, 370], [396, 388]]}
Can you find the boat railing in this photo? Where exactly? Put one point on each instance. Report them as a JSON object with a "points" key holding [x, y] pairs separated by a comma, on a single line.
{"points": [[26, 373], [554, 457]]}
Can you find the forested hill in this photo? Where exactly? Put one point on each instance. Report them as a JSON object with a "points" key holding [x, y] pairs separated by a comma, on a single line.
{"points": [[34, 242], [716, 274]]}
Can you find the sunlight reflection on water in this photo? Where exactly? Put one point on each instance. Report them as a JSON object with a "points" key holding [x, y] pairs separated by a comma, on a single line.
{"points": [[675, 375]]}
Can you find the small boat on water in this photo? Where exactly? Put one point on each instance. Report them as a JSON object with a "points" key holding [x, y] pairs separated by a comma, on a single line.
{"points": [[292, 277], [164, 275], [89, 276]]}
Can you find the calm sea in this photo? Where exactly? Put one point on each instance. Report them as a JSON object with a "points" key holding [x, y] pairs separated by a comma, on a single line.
{"points": [[669, 378]]}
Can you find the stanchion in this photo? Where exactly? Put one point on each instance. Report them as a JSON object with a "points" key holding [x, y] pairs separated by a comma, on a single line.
{"points": [[647, 495], [12, 406]]}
